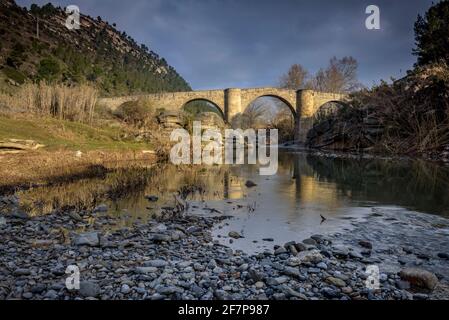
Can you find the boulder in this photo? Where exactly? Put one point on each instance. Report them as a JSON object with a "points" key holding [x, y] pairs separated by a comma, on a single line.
{"points": [[419, 278]]}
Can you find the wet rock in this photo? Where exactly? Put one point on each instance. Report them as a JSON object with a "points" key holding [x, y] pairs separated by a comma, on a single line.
{"points": [[235, 235], [419, 278], [87, 239], [365, 244], [443, 255], [310, 241], [280, 250], [89, 289], [250, 184]]}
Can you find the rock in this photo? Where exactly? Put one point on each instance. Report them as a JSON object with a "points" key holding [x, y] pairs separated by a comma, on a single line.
{"points": [[75, 216], [87, 239], [292, 272], [277, 281], [322, 266], [419, 278], [313, 256], [152, 198], [22, 272], [51, 294], [365, 244], [146, 270], [160, 237], [443, 255], [255, 275], [259, 285], [159, 228], [2, 221], [340, 251], [101, 208], [310, 242], [300, 247], [125, 289], [250, 184], [89, 289], [235, 235], [156, 263], [19, 214], [268, 239], [355, 255], [280, 250], [27, 295], [168, 290], [336, 282], [38, 288]]}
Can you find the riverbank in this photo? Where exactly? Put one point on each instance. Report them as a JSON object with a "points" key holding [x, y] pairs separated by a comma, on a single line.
{"points": [[179, 259]]}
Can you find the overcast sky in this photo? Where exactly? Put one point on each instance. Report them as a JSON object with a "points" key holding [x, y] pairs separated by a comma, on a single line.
{"points": [[250, 43]]}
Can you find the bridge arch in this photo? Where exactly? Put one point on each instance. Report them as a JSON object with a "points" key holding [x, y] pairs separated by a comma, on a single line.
{"points": [[274, 96], [199, 99]]}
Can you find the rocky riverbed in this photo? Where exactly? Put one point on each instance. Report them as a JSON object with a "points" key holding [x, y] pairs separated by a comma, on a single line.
{"points": [[179, 259]]}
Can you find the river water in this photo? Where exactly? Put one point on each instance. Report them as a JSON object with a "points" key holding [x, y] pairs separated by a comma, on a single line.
{"points": [[309, 195]]}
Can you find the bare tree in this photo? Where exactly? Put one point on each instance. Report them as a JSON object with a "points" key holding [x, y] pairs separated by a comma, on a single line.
{"points": [[295, 78], [339, 77]]}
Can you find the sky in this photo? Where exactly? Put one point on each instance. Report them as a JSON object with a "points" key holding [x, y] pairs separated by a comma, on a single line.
{"points": [[250, 43]]}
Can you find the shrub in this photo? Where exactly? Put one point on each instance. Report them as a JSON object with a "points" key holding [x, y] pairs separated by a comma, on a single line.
{"points": [[49, 69], [137, 113]]}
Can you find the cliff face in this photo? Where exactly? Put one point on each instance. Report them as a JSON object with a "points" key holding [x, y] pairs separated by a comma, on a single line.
{"points": [[36, 45]]}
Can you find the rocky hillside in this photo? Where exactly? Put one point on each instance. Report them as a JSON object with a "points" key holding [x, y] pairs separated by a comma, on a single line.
{"points": [[36, 45]]}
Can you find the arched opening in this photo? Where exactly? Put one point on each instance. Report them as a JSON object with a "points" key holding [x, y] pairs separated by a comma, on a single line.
{"points": [[271, 112], [328, 110], [209, 113]]}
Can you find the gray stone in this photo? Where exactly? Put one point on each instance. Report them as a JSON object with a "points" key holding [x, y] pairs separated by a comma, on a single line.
{"points": [[155, 263], [125, 289], [160, 237], [146, 270], [89, 289], [87, 239], [235, 235], [101, 208]]}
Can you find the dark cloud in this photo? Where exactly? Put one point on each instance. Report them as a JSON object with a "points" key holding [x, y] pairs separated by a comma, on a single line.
{"points": [[250, 43]]}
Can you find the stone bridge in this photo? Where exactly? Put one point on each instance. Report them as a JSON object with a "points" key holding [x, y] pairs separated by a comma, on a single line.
{"points": [[304, 104]]}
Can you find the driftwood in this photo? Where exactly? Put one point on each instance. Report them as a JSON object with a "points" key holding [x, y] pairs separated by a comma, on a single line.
{"points": [[19, 145]]}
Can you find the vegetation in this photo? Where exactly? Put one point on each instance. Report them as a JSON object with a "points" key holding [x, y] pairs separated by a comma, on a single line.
{"points": [[59, 101], [340, 76], [409, 116], [432, 35], [98, 55]]}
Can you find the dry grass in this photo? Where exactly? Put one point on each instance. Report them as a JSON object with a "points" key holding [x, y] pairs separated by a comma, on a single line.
{"points": [[59, 101], [45, 168]]}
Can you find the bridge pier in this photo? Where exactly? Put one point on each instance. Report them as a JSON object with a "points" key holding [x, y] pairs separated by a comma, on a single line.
{"points": [[233, 103]]}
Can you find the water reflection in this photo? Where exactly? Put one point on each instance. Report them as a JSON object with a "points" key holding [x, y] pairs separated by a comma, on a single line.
{"points": [[288, 205]]}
